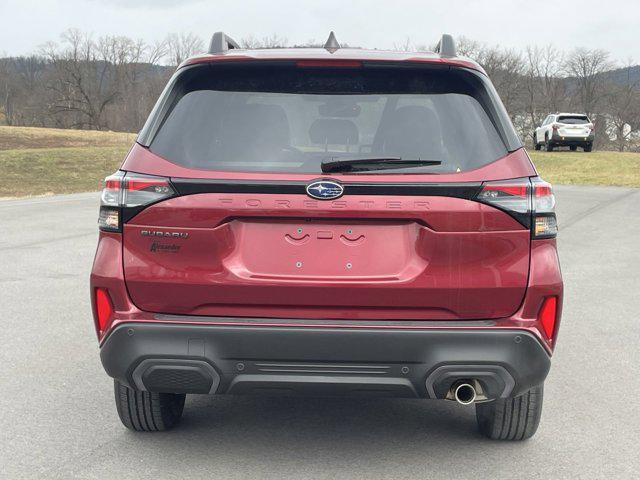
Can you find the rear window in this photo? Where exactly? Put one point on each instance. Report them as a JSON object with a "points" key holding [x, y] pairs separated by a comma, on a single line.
{"points": [[282, 118], [573, 119]]}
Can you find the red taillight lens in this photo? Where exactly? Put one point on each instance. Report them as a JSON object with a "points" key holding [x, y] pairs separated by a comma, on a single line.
{"points": [[129, 191], [547, 315], [103, 309], [143, 190], [511, 196]]}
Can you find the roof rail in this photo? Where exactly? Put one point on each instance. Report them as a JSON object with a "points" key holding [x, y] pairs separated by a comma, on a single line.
{"points": [[221, 43], [446, 47]]}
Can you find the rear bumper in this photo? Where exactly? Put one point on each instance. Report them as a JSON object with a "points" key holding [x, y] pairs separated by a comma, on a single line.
{"points": [[572, 140], [423, 363]]}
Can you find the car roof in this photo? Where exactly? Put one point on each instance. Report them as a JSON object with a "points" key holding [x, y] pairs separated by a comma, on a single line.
{"points": [[321, 54], [561, 114]]}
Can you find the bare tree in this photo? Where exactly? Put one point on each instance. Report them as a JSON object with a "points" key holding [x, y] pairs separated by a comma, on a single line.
{"points": [[106, 83], [99, 84], [586, 68], [468, 47], [157, 51], [622, 107], [180, 46], [80, 85], [544, 87], [7, 90], [271, 41], [407, 46], [506, 69]]}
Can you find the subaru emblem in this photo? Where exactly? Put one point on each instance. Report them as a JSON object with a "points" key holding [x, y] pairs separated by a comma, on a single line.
{"points": [[325, 190]]}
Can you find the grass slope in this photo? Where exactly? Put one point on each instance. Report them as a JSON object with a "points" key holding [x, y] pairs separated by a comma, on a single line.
{"points": [[594, 168], [42, 161], [13, 138], [46, 171]]}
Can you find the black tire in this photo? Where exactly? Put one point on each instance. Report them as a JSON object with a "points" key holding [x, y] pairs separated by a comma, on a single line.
{"points": [[573, 148], [511, 418], [588, 147], [547, 144], [145, 411], [536, 145]]}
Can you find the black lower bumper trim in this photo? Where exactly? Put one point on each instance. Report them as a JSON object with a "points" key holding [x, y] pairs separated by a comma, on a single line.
{"points": [[186, 358], [570, 140]]}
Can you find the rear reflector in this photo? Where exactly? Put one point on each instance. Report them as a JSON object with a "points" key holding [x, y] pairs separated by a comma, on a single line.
{"points": [[547, 316], [104, 308]]}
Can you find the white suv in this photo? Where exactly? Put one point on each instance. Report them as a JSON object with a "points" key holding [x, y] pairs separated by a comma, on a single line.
{"points": [[565, 129]]}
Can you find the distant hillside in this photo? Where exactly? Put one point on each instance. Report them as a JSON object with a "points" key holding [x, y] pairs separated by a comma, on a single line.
{"points": [[624, 76]]}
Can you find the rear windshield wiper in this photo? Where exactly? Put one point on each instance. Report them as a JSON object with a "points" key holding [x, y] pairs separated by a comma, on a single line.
{"points": [[372, 163]]}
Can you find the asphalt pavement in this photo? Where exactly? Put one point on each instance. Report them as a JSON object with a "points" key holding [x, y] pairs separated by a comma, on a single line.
{"points": [[58, 418]]}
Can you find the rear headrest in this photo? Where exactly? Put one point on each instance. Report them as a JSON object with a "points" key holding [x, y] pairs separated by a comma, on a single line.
{"points": [[257, 125], [334, 131], [413, 132]]}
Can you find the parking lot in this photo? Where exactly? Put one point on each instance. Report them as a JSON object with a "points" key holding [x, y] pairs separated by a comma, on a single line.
{"points": [[58, 418]]}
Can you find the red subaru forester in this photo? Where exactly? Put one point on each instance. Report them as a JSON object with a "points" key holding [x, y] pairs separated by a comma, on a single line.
{"points": [[328, 222]]}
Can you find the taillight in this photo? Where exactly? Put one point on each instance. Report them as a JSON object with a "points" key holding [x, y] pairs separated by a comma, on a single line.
{"points": [[139, 190], [530, 201], [547, 315], [103, 309], [512, 196], [125, 194]]}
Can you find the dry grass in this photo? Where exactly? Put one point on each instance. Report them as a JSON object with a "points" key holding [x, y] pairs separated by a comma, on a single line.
{"points": [[45, 161], [594, 168], [46, 171], [13, 138]]}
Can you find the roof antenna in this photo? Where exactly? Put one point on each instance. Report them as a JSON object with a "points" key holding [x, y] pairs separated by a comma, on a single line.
{"points": [[332, 45]]}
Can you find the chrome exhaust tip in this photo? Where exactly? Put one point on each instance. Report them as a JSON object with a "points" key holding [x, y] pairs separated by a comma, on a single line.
{"points": [[464, 393]]}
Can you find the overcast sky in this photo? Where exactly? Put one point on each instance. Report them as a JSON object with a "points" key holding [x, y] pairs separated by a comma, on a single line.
{"points": [[611, 25]]}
